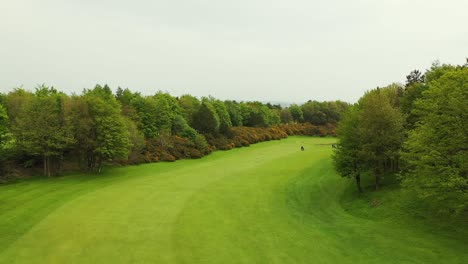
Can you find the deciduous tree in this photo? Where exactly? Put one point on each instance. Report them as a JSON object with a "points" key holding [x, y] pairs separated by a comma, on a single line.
{"points": [[436, 152]]}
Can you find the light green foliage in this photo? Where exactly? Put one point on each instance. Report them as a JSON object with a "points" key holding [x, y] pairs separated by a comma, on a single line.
{"points": [[40, 128], [436, 152], [156, 114], [296, 112], [255, 114], [238, 206], [201, 143], [371, 134], [437, 70], [16, 101], [274, 117], [128, 100], [101, 131], [3, 99], [181, 128], [167, 109], [4, 130], [393, 92], [189, 105], [381, 131], [6, 142], [135, 136], [347, 157], [234, 111], [245, 111], [147, 112]]}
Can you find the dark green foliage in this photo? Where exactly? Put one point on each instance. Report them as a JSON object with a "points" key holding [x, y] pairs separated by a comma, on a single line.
{"points": [[347, 157], [206, 119], [321, 113], [412, 93], [414, 77], [286, 116], [224, 118], [189, 105]]}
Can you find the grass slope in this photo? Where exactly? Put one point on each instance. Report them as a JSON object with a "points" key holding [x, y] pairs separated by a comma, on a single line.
{"points": [[269, 203]]}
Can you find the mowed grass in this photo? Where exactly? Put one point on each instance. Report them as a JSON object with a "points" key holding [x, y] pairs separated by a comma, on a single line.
{"points": [[269, 203]]}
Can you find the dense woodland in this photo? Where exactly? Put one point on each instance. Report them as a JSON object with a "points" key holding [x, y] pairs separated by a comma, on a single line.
{"points": [[418, 132], [51, 131]]}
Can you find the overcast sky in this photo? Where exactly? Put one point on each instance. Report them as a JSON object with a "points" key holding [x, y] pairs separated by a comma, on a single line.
{"points": [[291, 50]]}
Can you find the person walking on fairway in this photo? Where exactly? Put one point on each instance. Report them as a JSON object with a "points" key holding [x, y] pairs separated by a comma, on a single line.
{"points": [[302, 148]]}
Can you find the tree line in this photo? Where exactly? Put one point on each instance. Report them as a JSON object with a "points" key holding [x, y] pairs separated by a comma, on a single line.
{"points": [[54, 131], [418, 131]]}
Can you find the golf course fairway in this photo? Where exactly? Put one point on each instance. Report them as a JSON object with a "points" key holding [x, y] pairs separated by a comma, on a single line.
{"points": [[268, 203]]}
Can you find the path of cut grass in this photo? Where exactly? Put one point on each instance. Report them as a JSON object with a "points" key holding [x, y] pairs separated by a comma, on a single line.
{"points": [[269, 203]]}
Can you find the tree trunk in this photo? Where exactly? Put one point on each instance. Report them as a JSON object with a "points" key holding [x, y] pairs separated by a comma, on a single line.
{"points": [[377, 173], [358, 182], [48, 166], [99, 164], [44, 159], [377, 179], [60, 163]]}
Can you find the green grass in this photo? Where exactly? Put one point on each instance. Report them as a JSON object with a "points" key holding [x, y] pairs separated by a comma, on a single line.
{"points": [[269, 203]]}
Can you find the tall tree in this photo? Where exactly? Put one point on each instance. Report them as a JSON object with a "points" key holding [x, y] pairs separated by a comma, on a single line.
{"points": [[4, 126], [40, 129], [206, 120], [146, 110], [286, 116], [5, 138], [167, 109], [101, 131], [381, 131], [414, 77], [347, 157], [411, 94], [314, 113], [234, 111], [189, 106], [181, 128], [296, 112], [255, 114], [224, 119], [436, 151]]}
